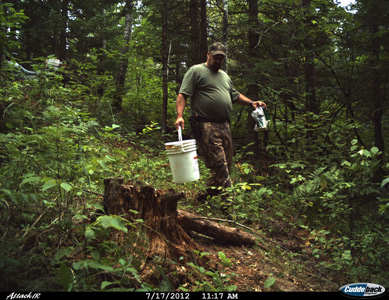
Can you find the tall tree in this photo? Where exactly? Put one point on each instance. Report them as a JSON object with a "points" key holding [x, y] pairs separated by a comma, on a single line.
{"points": [[194, 31], [165, 57], [225, 31], [312, 104], [372, 43], [252, 88], [64, 29], [123, 65], [203, 30], [373, 17]]}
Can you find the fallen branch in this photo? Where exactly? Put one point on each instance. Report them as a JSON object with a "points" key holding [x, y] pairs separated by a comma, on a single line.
{"points": [[35, 222], [207, 226], [262, 236], [226, 221], [92, 192]]}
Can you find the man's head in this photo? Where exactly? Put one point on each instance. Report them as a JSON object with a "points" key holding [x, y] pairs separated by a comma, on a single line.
{"points": [[216, 56]]}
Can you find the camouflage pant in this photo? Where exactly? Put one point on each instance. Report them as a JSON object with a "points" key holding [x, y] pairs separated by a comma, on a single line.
{"points": [[217, 149]]}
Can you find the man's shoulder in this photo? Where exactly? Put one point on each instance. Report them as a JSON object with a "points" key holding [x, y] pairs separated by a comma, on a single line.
{"points": [[198, 67], [197, 71]]}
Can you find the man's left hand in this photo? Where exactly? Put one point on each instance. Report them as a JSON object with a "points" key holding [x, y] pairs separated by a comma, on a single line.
{"points": [[256, 104]]}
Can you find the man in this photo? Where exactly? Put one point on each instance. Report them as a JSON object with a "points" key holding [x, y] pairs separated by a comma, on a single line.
{"points": [[212, 94]]}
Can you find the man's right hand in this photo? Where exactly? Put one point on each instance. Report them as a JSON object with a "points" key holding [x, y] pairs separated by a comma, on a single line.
{"points": [[179, 122]]}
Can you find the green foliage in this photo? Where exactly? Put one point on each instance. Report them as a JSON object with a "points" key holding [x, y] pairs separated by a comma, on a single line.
{"points": [[122, 270], [269, 282], [322, 174], [11, 20], [211, 280]]}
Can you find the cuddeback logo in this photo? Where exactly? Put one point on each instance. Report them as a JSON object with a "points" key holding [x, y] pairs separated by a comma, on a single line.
{"points": [[362, 290]]}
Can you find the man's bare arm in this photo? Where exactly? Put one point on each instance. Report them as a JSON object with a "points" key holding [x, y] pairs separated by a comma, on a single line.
{"points": [[180, 104], [243, 100]]}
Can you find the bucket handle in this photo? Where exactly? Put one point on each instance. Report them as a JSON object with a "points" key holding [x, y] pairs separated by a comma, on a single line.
{"points": [[180, 138], [179, 134]]}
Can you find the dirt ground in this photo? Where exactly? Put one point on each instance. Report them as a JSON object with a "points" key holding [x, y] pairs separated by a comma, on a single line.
{"points": [[253, 266]]}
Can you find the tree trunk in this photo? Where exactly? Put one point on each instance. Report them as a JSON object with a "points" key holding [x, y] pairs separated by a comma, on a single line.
{"points": [[312, 104], [203, 31], [63, 30], [165, 57], [122, 69], [225, 32], [377, 100], [376, 95], [252, 88], [194, 32]]}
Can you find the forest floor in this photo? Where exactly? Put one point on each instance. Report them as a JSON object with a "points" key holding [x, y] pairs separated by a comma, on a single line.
{"points": [[252, 267], [278, 262], [284, 260], [281, 260]]}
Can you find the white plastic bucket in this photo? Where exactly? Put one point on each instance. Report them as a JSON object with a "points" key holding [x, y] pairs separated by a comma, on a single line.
{"points": [[183, 159]]}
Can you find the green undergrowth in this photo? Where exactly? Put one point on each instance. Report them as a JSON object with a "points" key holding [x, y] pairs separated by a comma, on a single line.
{"points": [[54, 157]]}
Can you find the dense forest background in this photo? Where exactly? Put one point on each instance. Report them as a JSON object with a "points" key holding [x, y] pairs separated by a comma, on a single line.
{"points": [[315, 185]]}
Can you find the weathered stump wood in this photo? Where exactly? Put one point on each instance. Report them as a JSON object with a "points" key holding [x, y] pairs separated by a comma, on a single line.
{"points": [[167, 229], [167, 239], [223, 234]]}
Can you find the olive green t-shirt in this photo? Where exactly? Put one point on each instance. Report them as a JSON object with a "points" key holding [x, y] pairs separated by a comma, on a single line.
{"points": [[211, 93]]}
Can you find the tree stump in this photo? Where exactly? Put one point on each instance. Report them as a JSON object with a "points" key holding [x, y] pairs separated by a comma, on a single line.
{"points": [[167, 229], [158, 209]]}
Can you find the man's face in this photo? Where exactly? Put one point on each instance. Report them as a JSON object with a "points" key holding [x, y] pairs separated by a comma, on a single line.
{"points": [[215, 62]]}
